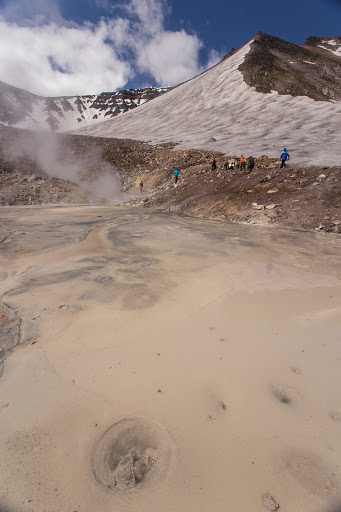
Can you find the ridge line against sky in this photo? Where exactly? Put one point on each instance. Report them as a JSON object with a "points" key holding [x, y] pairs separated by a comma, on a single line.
{"points": [[73, 47]]}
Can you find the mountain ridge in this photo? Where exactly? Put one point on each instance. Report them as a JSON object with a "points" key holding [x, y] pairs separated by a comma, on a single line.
{"points": [[267, 94], [23, 109], [311, 70], [231, 107]]}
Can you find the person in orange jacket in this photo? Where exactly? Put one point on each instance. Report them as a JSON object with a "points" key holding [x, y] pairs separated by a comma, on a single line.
{"points": [[242, 163]]}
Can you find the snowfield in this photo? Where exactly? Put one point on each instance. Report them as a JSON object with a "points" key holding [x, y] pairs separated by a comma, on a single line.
{"points": [[219, 104]]}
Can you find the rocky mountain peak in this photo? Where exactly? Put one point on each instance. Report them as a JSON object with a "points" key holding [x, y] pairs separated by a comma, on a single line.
{"points": [[312, 70]]}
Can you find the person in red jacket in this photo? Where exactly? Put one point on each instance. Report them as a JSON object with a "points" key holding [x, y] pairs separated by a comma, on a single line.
{"points": [[242, 163]]}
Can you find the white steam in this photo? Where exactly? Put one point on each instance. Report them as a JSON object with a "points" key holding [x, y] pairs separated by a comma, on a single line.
{"points": [[94, 175]]}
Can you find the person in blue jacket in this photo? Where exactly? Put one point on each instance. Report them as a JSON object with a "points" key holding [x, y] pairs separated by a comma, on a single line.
{"points": [[176, 174], [284, 156]]}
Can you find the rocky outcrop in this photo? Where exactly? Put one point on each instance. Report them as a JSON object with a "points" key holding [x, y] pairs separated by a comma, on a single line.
{"points": [[312, 70]]}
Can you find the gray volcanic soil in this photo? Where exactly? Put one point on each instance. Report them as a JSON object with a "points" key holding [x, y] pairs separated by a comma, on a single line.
{"points": [[167, 363]]}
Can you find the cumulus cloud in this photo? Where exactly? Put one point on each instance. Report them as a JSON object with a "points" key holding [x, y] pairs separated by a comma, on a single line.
{"points": [[150, 15], [171, 57], [53, 60], [49, 56]]}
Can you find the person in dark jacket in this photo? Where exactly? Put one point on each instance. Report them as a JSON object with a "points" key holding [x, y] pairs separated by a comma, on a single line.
{"points": [[284, 157], [250, 163], [226, 164], [214, 165], [141, 186]]}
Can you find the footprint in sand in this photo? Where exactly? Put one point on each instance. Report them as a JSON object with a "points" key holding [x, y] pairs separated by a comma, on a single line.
{"points": [[66, 307], [335, 416], [295, 369], [221, 407], [285, 394]]}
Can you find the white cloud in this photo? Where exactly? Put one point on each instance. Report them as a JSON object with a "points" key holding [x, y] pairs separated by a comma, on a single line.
{"points": [[35, 55], [103, 3], [214, 57], [34, 10], [49, 56], [171, 57], [150, 14]]}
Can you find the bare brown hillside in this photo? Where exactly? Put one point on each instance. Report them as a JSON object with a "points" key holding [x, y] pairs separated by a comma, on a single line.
{"points": [[298, 197]]}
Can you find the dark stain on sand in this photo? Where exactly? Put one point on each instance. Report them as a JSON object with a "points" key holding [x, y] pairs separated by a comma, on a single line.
{"points": [[311, 473], [10, 331]]}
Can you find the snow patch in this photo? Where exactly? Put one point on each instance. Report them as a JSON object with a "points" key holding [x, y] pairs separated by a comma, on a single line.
{"points": [[336, 52]]}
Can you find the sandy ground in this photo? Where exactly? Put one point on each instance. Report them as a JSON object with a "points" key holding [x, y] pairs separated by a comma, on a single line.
{"points": [[215, 346]]}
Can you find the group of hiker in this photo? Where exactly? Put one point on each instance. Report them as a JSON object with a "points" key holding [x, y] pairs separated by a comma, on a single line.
{"points": [[244, 164]]}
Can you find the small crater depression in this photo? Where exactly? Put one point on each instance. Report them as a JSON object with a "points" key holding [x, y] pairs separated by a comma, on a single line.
{"points": [[132, 454], [285, 394], [335, 416], [295, 370]]}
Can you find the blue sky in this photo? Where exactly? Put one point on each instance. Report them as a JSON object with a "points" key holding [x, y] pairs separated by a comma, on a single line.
{"points": [[79, 46], [222, 24]]}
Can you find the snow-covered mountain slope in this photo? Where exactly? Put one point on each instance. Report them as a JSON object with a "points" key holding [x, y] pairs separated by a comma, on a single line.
{"points": [[220, 104], [21, 109]]}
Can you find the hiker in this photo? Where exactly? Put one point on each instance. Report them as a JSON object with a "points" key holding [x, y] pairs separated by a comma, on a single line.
{"points": [[226, 165], [242, 163], [214, 165], [141, 186], [176, 174], [284, 156], [250, 164]]}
